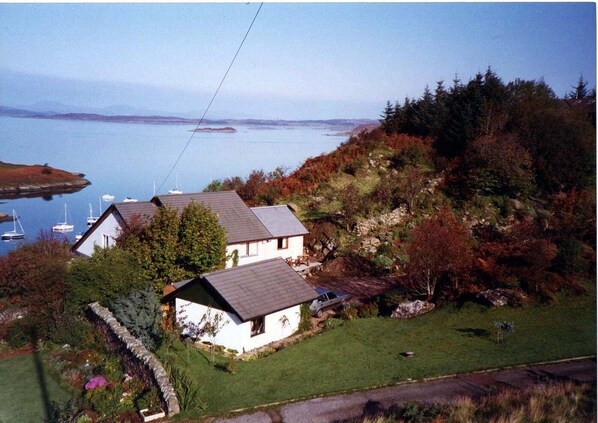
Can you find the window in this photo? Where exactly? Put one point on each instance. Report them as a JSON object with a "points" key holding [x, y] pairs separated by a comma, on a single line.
{"points": [[283, 243], [106, 241], [258, 326], [250, 249]]}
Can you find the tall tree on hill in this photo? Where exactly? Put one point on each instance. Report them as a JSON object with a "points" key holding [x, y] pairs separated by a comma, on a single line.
{"points": [[580, 91]]}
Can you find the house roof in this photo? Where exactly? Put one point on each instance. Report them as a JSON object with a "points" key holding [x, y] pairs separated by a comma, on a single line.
{"points": [[256, 289], [144, 209], [125, 211], [241, 224], [280, 221]]}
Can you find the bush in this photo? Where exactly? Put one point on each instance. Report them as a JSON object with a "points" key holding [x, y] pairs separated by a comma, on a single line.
{"points": [[140, 313], [570, 259], [368, 310], [72, 330], [332, 323], [19, 333], [305, 318], [383, 262], [108, 400], [150, 399], [349, 311]]}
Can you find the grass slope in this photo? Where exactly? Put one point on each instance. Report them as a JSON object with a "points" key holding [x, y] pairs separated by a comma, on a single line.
{"points": [[21, 392], [367, 352]]}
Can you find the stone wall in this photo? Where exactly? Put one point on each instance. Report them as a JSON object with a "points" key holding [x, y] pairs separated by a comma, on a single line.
{"points": [[145, 359]]}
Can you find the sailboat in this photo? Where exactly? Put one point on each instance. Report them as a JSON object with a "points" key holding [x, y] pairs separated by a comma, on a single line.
{"points": [[176, 189], [63, 227], [91, 219], [14, 234]]}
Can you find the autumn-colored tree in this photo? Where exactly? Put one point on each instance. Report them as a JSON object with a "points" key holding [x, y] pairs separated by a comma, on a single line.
{"points": [[439, 247], [36, 274]]}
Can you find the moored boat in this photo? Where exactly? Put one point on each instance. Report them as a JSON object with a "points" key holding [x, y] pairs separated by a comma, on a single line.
{"points": [[91, 219], [63, 227], [14, 234]]}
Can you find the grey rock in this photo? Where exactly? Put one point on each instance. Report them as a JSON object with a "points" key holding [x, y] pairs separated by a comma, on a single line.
{"points": [[411, 309]]}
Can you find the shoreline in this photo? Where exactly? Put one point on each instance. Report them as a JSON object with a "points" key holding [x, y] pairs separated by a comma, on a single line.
{"points": [[19, 180], [40, 190]]}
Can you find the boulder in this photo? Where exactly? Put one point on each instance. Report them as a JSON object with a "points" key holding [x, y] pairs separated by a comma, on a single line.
{"points": [[499, 297], [411, 309]]}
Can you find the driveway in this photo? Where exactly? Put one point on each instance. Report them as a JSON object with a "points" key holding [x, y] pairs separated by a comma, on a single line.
{"points": [[344, 407]]}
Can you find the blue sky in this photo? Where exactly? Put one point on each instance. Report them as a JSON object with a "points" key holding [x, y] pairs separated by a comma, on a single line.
{"points": [[300, 61]]}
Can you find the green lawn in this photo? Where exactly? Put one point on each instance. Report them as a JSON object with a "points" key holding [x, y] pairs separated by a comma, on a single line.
{"points": [[367, 352], [22, 390]]}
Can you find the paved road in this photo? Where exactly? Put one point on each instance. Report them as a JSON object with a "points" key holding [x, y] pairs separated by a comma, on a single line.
{"points": [[342, 407]]}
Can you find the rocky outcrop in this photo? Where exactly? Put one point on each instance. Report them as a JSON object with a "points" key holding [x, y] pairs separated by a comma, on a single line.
{"points": [[386, 220], [138, 350], [411, 309]]}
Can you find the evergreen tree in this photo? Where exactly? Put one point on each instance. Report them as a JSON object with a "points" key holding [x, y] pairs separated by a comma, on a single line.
{"points": [[580, 91], [386, 121]]}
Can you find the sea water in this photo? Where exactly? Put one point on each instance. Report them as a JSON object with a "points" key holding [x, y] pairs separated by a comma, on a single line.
{"points": [[127, 160]]}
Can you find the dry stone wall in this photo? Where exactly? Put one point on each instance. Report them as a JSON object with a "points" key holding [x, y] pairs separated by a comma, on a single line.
{"points": [[136, 349]]}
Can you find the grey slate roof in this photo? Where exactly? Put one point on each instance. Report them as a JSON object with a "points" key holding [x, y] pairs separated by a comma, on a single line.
{"points": [[233, 214], [126, 211], [144, 209], [259, 288], [280, 221]]}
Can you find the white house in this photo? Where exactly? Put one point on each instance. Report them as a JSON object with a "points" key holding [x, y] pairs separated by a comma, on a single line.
{"points": [[257, 234], [259, 303]]}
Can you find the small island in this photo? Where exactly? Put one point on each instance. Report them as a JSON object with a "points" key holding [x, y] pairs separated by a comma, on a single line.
{"points": [[226, 130], [20, 180]]}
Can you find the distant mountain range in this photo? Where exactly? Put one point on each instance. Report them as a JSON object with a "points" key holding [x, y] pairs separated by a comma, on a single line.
{"points": [[334, 124]]}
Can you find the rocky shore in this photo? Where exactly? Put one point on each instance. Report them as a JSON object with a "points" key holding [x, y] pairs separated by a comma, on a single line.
{"points": [[17, 180], [36, 190]]}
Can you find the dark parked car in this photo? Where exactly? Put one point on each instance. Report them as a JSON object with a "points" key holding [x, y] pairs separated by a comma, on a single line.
{"points": [[327, 299]]}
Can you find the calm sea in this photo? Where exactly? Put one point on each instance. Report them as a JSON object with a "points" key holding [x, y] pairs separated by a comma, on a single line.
{"points": [[125, 160]]}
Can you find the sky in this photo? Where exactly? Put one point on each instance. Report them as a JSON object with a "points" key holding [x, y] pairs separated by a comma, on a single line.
{"points": [[299, 61]]}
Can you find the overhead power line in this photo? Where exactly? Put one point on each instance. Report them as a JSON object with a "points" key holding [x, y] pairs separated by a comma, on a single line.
{"points": [[211, 100]]}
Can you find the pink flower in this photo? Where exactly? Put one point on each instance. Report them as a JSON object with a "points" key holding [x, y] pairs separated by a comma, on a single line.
{"points": [[96, 382]]}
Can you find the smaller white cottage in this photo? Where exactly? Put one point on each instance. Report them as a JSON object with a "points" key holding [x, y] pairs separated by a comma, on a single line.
{"points": [[259, 302]]}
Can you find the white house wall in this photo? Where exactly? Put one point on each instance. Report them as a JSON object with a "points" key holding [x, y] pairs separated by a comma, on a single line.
{"points": [[109, 227], [235, 334], [267, 250]]}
